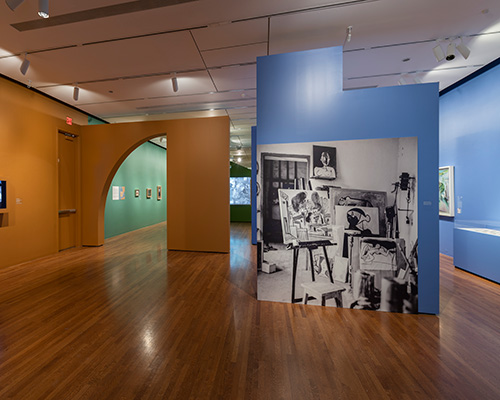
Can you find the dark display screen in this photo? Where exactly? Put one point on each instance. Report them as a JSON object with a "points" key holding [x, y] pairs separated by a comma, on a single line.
{"points": [[3, 194]]}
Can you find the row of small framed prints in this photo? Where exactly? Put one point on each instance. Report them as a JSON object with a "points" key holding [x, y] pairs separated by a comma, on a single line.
{"points": [[149, 193]]}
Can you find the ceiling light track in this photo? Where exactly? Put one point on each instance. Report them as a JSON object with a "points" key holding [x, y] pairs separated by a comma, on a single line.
{"points": [[95, 13], [385, 46], [307, 9], [40, 51], [234, 47], [151, 75], [215, 104], [413, 72]]}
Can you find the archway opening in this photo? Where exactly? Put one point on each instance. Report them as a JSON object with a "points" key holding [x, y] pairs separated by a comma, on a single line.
{"points": [[136, 189]]}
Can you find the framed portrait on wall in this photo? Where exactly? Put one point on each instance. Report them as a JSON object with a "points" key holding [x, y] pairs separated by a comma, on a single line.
{"points": [[137, 192], [149, 193], [446, 191], [158, 192], [324, 162]]}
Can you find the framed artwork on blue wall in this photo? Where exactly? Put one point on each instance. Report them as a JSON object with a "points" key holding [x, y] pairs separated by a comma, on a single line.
{"points": [[446, 192]]}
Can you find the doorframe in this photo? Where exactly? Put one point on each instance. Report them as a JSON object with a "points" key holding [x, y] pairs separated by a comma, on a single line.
{"points": [[78, 185]]}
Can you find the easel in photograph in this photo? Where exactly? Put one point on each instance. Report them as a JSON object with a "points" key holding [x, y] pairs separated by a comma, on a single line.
{"points": [[309, 246], [300, 184]]}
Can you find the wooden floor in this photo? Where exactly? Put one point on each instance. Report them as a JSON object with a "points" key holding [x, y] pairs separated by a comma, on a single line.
{"points": [[131, 320]]}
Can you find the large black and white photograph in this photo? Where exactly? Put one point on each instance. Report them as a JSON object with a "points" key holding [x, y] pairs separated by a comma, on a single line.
{"points": [[349, 242]]}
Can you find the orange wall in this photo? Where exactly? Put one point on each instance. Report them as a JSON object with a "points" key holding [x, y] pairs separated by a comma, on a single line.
{"points": [[198, 185], [29, 125], [197, 178], [198, 175]]}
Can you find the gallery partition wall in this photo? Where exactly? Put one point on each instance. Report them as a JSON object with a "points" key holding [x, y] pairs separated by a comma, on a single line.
{"points": [[198, 209], [347, 199], [469, 143]]}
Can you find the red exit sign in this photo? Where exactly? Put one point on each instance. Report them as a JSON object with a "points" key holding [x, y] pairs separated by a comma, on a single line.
{"points": [[69, 120]]}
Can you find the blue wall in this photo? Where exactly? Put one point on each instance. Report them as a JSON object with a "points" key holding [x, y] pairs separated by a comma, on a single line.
{"points": [[469, 139], [300, 99]]}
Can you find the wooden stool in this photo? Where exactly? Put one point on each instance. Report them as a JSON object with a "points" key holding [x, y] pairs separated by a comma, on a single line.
{"points": [[324, 291]]}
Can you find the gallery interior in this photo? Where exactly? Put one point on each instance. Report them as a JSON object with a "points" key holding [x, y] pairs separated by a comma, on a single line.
{"points": [[203, 200]]}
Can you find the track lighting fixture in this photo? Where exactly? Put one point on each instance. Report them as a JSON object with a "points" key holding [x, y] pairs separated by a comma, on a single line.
{"points": [[463, 49], [13, 4], [348, 34], [175, 85], [76, 93], [43, 8], [409, 79], [450, 52], [25, 65], [438, 52]]}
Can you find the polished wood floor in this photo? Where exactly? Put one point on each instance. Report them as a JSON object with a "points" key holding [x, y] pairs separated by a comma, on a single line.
{"points": [[131, 320]]}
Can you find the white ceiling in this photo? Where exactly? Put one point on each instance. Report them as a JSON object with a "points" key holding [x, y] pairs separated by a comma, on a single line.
{"points": [[122, 55]]}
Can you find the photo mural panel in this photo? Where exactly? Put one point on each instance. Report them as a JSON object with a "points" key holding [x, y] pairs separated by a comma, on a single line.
{"points": [[349, 242]]}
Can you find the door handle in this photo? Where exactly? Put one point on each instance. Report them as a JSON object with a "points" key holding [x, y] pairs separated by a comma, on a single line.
{"points": [[67, 211]]}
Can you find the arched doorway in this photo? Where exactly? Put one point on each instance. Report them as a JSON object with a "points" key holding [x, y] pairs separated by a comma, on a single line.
{"points": [[137, 194], [197, 178]]}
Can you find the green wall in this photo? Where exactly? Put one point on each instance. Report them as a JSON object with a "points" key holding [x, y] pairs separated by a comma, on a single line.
{"points": [[146, 167], [240, 213]]}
